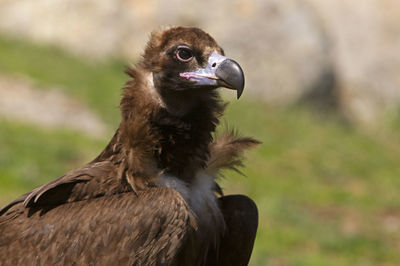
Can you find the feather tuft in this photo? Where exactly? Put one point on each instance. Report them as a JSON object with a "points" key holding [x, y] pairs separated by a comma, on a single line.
{"points": [[226, 152]]}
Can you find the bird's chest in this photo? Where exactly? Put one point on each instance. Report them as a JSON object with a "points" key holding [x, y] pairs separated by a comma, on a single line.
{"points": [[200, 197], [181, 155]]}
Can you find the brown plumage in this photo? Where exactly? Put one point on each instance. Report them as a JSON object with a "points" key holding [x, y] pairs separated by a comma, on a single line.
{"points": [[150, 197]]}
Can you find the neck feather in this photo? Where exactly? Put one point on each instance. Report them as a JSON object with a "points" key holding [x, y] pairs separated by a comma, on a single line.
{"points": [[157, 135]]}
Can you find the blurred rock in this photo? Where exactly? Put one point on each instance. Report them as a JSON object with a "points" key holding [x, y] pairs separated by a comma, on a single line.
{"points": [[20, 100], [365, 38], [332, 53]]}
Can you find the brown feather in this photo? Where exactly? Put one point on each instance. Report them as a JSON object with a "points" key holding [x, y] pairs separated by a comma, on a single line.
{"points": [[155, 215], [226, 152]]}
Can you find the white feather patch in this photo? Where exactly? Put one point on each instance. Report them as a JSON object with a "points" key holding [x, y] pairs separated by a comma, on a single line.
{"points": [[153, 91]]}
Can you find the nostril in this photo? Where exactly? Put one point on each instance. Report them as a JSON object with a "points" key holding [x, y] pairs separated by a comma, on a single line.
{"points": [[213, 65]]}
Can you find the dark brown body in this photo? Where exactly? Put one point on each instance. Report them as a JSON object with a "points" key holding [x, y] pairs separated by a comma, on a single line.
{"points": [[104, 231], [149, 197]]}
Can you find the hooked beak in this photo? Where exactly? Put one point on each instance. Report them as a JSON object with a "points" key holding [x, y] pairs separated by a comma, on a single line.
{"points": [[220, 72]]}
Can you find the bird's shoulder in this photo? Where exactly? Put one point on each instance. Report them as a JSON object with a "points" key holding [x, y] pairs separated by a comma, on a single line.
{"points": [[93, 180]]}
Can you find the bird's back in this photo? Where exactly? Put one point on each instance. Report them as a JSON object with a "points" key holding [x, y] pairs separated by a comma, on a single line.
{"points": [[117, 229]]}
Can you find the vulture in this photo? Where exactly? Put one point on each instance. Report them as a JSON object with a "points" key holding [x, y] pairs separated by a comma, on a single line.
{"points": [[151, 196]]}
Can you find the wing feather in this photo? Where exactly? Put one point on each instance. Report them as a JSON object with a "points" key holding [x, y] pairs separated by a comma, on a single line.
{"points": [[90, 181], [142, 229], [82, 174]]}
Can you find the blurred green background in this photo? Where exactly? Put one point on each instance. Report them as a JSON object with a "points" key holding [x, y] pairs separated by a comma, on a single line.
{"points": [[326, 185]]}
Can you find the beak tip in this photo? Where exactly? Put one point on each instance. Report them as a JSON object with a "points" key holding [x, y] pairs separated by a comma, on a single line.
{"points": [[232, 75], [239, 92]]}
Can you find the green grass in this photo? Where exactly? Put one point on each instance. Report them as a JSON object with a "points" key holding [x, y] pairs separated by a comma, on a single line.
{"points": [[325, 191], [30, 156], [97, 83], [328, 194]]}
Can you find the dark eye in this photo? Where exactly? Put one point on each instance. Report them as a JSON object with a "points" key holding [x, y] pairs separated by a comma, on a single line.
{"points": [[184, 54]]}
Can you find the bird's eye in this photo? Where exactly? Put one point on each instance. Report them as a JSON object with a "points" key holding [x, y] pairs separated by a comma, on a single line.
{"points": [[184, 54]]}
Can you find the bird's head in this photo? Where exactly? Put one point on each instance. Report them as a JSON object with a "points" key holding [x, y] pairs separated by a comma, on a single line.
{"points": [[186, 60]]}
